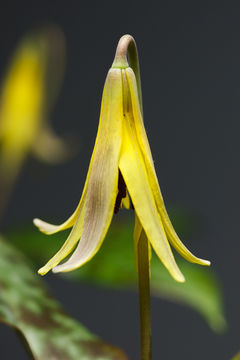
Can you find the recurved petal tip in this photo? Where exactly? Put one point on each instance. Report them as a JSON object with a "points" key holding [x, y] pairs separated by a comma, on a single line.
{"points": [[42, 271], [56, 270], [36, 222], [66, 267], [193, 259], [44, 226], [63, 268], [179, 277], [205, 262]]}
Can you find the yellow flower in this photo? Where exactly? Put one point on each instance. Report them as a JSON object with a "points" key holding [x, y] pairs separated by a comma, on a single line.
{"points": [[121, 172], [27, 92]]}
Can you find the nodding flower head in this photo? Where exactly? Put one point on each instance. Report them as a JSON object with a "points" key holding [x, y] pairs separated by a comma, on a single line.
{"points": [[121, 173], [28, 91]]}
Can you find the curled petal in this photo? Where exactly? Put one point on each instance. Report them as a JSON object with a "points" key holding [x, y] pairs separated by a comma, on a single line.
{"points": [[70, 243], [133, 169], [49, 229], [102, 186], [147, 156]]}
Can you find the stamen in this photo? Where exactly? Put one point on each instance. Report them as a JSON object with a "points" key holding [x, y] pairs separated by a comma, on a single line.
{"points": [[122, 192], [131, 203]]}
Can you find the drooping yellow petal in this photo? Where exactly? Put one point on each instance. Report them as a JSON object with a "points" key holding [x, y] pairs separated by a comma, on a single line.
{"points": [[102, 185], [50, 229], [133, 169], [71, 241], [134, 174], [147, 156]]}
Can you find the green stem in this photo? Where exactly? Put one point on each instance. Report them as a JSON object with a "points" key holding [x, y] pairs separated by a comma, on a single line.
{"points": [[127, 55], [144, 298]]}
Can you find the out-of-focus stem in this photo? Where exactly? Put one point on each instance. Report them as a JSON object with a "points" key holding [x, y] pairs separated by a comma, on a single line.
{"points": [[9, 170]]}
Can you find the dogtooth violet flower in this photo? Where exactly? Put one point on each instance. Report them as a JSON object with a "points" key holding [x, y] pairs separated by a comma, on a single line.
{"points": [[121, 173], [27, 93]]}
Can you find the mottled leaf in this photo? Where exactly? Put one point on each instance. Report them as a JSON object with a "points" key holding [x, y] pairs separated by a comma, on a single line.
{"points": [[49, 333], [113, 267]]}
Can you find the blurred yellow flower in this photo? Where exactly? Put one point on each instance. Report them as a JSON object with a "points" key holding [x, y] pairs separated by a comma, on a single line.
{"points": [[26, 97], [121, 172]]}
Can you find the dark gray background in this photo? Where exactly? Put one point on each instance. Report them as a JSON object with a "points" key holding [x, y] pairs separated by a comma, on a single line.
{"points": [[190, 64]]}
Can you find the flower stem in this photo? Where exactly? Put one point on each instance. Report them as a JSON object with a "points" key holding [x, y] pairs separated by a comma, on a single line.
{"points": [[127, 55], [144, 298]]}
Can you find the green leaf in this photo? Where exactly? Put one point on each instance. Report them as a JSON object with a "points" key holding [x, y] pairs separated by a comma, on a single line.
{"points": [[201, 291], [49, 333], [113, 267]]}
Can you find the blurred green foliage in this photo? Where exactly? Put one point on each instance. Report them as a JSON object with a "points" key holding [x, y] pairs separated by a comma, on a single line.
{"points": [[113, 267], [48, 332], [236, 357]]}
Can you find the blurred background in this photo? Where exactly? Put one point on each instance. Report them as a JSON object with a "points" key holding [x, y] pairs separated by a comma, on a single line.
{"points": [[189, 57]]}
